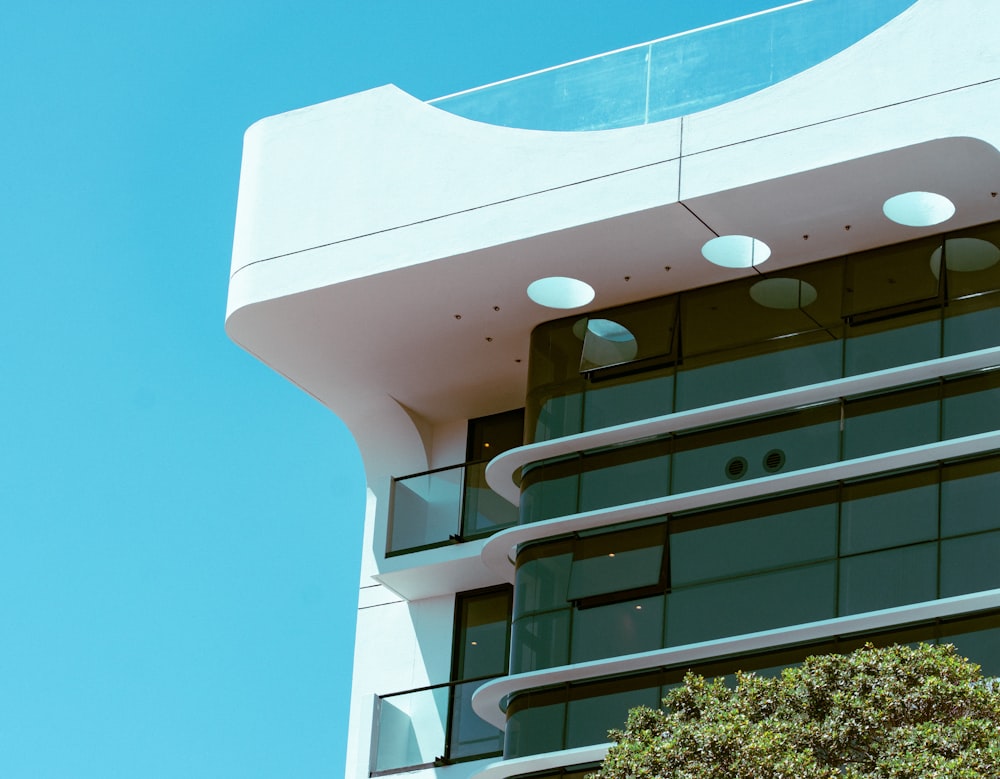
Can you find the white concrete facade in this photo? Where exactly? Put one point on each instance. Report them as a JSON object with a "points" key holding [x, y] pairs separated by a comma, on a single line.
{"points": [[383, 248]]}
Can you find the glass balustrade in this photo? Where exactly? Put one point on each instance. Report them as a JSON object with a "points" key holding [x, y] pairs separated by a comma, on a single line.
{"points": [[447, 505], [431, 726]]}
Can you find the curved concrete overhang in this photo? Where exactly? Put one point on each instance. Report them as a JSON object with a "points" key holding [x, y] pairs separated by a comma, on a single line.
{"points": [[502, 470], [499, 551], [383, 246], [488, 698], [522, 766]]}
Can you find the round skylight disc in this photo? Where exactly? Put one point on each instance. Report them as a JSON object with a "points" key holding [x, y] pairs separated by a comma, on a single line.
{"points": [[918, 209], [783, 293], [966, 255], [560, 292], [736, 251]]}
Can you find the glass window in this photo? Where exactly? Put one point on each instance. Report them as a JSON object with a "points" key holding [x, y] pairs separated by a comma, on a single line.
{"points": [[482, 634], [878, 345], [628, 399], [624, 474], [800, 439], [555, 386], [622, 563], [742, 373], [883, 513], [813, 323], [483, 511], [969, 564], [750, 604], [888, 281], [542, 576], [535, 723], [633, 336], [540, 641], [550, 490], [881, 580], [469, 735], [580, 714], [894, 421], [971, 404], [617, 629], [972, 258], [973, 323], [481, 641], [969, 493], [978, 639], [726, 316], [753, 538], [606, 706]]}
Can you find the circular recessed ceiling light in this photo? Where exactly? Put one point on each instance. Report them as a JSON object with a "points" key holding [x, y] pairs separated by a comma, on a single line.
{"points": [[783, 293], [736, 251], [918, 209], [560, 292], [966, 255]]}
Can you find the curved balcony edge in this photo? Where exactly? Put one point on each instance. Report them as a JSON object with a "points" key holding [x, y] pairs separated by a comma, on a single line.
{"points": [[498, 551], [500, 471], [518, 766], [487, 698]]}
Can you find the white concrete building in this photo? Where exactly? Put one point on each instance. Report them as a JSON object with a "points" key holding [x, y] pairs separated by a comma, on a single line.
{"points": [[792, 448]]}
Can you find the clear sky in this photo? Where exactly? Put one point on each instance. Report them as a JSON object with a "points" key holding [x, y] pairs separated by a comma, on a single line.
{"points": [[179, 526]]}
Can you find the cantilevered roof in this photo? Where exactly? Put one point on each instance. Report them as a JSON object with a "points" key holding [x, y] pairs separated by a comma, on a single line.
{"points": [[383, 246]]}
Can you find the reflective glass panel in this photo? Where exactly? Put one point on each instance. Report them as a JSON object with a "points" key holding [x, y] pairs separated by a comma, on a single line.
{"points": [[970, 564], [628, 399], [550, 490], [540, 641], [617, 629], [971, 405], [606, 706], [880, 580], [894, 421], [481, 640], [969, 493], [751, 603], [624, 474], [535, 723], [890, 512], [542, 576], [800, 439], [607, 563], [753, 538], [425, 509], [410, 728], [470, 735]]}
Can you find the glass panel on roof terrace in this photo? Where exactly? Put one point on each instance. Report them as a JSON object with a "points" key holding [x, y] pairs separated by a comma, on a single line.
{"points": [[679, 74]]}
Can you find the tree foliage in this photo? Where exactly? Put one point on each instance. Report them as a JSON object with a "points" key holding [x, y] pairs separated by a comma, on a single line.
{"points": [[892, 713]]}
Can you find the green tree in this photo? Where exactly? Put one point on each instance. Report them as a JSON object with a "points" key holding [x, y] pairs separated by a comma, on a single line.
{"points": [[893, 713]]}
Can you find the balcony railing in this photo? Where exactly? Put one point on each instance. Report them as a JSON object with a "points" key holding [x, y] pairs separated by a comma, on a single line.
{"points": [[431, 726], [444, 506]]}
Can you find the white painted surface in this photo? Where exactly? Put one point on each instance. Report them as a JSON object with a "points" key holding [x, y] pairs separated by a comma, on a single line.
{"points": [[367, 223]]}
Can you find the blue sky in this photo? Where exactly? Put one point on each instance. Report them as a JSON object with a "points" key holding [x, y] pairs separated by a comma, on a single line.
{"points": [[179, 526]]}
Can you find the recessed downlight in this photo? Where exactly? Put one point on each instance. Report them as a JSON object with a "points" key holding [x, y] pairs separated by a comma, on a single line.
{"points": [[736, 251], [783, 293], [918, 209], [560, 292]]}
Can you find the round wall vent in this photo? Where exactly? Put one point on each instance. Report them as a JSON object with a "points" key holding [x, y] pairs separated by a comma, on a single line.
{"points": [[736, 468], [774, 461]]}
